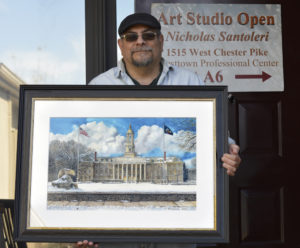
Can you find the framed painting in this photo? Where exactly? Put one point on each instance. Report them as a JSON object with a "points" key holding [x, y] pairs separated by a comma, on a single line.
{"points": [[122, 164]]}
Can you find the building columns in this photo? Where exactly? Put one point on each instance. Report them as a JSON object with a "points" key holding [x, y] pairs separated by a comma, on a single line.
{"points": [[140, 172], [118, 172]]}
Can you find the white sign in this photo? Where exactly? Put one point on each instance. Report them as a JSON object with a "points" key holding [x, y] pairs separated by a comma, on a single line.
{"points": [[239, 45]]}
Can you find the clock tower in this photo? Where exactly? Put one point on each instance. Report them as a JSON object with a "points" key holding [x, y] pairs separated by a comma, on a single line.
{"points": [[129, 144]]}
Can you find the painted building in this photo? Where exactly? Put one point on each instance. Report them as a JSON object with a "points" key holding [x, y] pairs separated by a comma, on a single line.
{"points": [[131, 168]]}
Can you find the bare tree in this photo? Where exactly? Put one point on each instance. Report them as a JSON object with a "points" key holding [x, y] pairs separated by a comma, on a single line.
{"points": [[64, 154], [187, 141], [187, 137]]}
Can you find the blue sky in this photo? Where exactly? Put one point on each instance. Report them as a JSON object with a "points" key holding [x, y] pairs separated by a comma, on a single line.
{"points": [[43, 41], [32, 22], [107, 135], [67, 125]]}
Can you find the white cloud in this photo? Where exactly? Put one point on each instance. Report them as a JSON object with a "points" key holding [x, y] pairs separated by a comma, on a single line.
{"points": [[148, 138], [63, 137], [45, 67], [151, 137], [106, 140]]}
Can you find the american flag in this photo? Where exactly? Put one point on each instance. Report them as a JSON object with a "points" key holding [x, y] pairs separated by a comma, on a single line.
{"points": [[83, 132]]}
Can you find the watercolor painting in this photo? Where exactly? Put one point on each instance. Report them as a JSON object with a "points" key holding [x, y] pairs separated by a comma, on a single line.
{"points": [[122, 163]]}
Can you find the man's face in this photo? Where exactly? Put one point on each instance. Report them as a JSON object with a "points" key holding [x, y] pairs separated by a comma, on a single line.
{"points": [[141, 52]]}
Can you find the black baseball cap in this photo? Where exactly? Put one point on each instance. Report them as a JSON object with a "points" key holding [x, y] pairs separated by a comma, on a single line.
{"points": [[138, 18]]}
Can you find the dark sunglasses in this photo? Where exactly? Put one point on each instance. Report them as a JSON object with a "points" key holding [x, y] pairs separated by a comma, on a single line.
{"points": [[130, 37]]}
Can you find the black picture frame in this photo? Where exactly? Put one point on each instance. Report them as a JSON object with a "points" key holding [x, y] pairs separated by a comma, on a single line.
{"points": [[29, 94]]}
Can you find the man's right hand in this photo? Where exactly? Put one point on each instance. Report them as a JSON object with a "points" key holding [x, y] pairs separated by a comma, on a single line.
{"points": [[86, 243]]}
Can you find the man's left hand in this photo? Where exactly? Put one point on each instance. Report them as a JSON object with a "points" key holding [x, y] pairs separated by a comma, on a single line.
{"points": [[231, 161]]}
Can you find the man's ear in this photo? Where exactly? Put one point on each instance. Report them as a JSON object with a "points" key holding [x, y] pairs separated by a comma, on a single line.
{"points": [[120, 43]]}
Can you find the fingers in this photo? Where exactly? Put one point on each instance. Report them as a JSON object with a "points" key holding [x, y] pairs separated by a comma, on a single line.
{"points": [[86, 243], [234, 149], [232, 161], [230, 169]]}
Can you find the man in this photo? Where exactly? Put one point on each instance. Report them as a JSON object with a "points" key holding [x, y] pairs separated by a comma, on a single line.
{"points": [[141, 45]]}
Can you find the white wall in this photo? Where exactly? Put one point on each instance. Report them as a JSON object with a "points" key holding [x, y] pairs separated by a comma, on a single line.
{"points": [[8, 147], [9, 97], [4, 147]]}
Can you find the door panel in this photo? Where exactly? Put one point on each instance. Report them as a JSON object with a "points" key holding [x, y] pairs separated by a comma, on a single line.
{"points": [[259, 125], [257, 192], [261, 215]]}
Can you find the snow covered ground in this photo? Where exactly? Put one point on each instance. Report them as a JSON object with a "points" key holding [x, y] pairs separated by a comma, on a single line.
{"points": [[128, 188], [125, 205]]}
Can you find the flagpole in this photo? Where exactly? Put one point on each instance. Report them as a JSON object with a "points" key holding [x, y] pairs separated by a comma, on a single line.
{"points": [[78, 134], [165, 158], [164, 147]]}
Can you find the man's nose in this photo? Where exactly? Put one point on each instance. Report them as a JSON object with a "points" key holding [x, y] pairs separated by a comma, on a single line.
{"points": [[140, 40]]}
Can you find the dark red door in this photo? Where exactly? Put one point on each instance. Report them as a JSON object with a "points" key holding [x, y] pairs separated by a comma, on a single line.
{"points": [[264, 195]]}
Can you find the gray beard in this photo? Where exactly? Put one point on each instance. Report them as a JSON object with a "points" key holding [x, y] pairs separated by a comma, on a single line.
{"points": [[142, 63]]}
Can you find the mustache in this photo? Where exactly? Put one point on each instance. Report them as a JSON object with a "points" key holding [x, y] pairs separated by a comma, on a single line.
{"points": [[141, 49]]}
